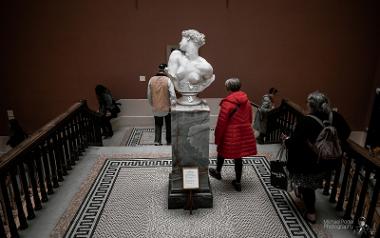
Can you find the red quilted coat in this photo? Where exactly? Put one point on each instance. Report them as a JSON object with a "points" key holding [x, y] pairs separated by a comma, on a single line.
{"points": [[233, 133]]}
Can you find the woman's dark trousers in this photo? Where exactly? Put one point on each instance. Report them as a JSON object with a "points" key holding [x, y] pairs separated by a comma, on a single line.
{"points": [[308, 195], [107, 127], [238, 167]]}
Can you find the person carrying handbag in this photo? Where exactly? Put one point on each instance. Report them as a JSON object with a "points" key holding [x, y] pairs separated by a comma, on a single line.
{"points": [[305, 168]]}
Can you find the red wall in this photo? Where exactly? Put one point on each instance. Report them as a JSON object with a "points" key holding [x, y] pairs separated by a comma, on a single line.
{"points": [[55, 52]]}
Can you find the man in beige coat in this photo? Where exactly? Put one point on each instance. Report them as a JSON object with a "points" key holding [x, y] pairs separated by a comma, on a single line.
{"points": [[161, 96]]}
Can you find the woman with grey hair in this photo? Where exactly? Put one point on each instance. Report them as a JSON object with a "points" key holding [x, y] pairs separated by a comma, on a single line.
{"points": [[233, 133], [306, 171]]}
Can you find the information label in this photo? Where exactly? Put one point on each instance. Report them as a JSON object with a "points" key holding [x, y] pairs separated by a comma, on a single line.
{"points": [[190, 178]]}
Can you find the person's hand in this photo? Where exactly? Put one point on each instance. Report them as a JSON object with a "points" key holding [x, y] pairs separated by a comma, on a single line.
{"points": [[284, 137], [173, 102]]}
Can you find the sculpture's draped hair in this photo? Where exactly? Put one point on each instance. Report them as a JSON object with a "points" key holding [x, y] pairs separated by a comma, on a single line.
{"points": [[195, 36]]}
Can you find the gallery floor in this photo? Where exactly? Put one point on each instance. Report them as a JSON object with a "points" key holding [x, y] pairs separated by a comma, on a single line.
{"points": [[93, 201]]}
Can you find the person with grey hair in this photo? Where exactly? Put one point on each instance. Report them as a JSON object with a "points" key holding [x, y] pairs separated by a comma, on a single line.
{"points": [[233, 133], [261, 118], [306, 171]]}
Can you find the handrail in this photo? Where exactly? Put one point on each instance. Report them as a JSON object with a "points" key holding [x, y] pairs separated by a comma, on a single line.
{"points": [[363, 152], [36, 136], [39, 163]]}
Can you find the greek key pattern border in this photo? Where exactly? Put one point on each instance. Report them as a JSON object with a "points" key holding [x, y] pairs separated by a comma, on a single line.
{"points": [[136, 135], [84, 223], [90, 210], [290, 216]]}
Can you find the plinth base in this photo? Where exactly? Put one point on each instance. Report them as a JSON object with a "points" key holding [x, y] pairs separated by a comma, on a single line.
{"points": [[178, 197]]}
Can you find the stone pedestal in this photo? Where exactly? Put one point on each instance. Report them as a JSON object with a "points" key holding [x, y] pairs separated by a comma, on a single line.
{"points": [[190, 145]]}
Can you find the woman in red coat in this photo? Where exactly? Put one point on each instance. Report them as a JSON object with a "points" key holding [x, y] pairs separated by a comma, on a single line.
{"points": [[233, 133]]}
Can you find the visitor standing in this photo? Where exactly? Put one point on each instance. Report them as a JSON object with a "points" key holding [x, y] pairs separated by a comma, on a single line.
{"points": [[261, 117], [161, 96]]}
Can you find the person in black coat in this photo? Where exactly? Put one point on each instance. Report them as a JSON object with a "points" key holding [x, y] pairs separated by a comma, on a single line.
{"points": [[107, 108], [306, 171], [17, 134]]}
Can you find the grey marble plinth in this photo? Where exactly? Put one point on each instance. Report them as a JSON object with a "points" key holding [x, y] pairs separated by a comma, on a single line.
{"points": [[190, 148]]}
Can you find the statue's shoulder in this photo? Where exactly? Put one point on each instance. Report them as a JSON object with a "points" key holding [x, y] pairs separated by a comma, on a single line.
{"points": [[176, 53], [201, 60], [203, 63]]}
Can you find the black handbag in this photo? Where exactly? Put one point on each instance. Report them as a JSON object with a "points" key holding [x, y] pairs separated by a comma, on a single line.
{"points": [[278, 172]]}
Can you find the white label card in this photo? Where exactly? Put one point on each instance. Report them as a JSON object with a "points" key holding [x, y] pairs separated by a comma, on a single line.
{"points": [[190, 178]]}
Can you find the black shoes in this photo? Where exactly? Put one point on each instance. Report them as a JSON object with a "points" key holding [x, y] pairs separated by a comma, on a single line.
{"points": [[236, 185], [215, 174]]}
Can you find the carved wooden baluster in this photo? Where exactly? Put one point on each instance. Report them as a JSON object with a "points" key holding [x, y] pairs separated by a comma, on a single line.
{"points": [[45, 153], [363, 192], [56, 152], [37, 156], [83, 129], [25, 188], [375, 195], [32, 177], [8, 208], [76, 134], [70, 132], [65, 148], [66, 145], [78, 140], [53, 166], [79, 133], [86, 128], [20, 208], [334, 189], [72, 138], [75, 138], [350, 203], [343, 187], [60, 152]]}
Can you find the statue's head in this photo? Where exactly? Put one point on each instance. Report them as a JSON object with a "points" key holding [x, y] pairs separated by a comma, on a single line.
{"points": [[198, 38]]}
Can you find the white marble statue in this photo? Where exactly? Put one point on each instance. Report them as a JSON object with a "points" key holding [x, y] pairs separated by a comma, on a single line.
{"points": [[191, 73]]}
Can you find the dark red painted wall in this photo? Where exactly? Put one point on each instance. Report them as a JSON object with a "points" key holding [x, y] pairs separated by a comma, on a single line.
{"points": [[53, 53]]}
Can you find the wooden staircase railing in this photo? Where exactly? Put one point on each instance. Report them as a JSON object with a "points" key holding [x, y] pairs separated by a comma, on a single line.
{"points": [[357, 195], [31, 171]]}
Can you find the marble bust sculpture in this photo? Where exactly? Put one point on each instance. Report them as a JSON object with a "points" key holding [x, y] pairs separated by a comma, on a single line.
{"points": [[190, 73]]}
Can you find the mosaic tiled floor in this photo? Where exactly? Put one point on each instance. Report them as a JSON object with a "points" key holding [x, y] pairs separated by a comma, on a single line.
{"points": [[129, 199], [145, 136]]}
